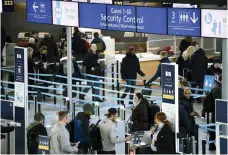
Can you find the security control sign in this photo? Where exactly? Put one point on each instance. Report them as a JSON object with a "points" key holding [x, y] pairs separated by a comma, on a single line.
{"points": [[39, 11], [184, 22], [214, 23], [65, 13], [168, 83]]}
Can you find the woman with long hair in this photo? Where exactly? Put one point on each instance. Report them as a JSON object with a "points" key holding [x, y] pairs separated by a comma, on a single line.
{"points": [[162, 135]]}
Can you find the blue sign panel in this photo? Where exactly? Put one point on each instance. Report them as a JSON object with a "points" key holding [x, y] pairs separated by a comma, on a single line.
{"points": [[209, 82], [7, 110], [223, 145], [221, 111], [168, 83], [44, 143], [121, 18], [39, 11], [153, 20], [19, 65], [184, 22], [92, 15]]}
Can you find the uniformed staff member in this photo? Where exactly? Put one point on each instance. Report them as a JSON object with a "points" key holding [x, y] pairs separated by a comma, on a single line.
{"points": [[108, 133]]}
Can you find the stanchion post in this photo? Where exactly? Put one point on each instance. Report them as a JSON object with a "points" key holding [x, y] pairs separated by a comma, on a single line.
{"points": [[3, 90], [113, 77], [144, 82], [208, 120], [68, 103], [54, 79], [197, 139], [118, 94], [93, 94], [8, 143], [73, 110], [204, 146], [35, 103], [103, 86], [117, 69], [7, 97], [39, 107]]}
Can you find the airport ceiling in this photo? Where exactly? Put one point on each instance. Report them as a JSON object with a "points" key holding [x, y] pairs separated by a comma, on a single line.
{"points": [[214, 2]]}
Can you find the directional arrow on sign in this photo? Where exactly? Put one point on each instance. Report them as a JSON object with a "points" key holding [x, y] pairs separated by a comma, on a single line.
{"points": [[194, 19], [35, 7]]}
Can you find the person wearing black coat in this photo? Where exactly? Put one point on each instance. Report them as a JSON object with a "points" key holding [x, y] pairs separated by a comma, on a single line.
{"points": [[215, 69], [187, 102], [79, 46], [183, 121], [162, 136], [129, 68], [184, 44], [164, 59], [140, 116]]}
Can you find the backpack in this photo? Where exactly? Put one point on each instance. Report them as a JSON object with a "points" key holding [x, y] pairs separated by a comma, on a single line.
{"points": [[208, 102], [152, 111], [95, 137]]}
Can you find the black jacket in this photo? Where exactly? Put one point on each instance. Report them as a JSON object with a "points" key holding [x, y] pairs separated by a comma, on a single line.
{"points": [[216, 94], [52, 54], [140, 117], [79, 47], [130, 67], [198, 66], [3, 41], [84, 126], [158, 72], [214, 71], [183, 119], [90, 60], [165, 141]]}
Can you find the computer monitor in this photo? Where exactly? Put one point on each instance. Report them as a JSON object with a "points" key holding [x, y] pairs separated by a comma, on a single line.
{"points": [[209, 82], [7, 110]]}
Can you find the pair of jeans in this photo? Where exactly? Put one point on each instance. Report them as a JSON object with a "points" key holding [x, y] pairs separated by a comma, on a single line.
{"points": [[129, 89], [94, 84]]}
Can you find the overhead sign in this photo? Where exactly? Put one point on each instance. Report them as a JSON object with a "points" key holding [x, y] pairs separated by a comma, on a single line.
{"points": [[101, 1], [221, 111], [182, 5], [121, 18], [90, 15], [117, 2], [209, 82], [7, 5], [44, 145], [214, 23], [39, 11], [65, 13], [184, 22], [151, 22]]}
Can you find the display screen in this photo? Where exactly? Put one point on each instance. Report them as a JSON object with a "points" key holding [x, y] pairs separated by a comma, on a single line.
{"points": [[184, 22], [39, 11], [7, 110], [221, 111], [209, 82], [65, 13], [152, 20], [121, 18], [90, 15], [214, 23]]}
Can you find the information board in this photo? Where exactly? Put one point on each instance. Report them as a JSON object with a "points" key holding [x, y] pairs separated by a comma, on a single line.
{"points": [[153, 20], [209, 82], [221, 113], [65, 13], [90, 15], [39, 11], [44, 145], [121, 18], [184, 22], [214, 23]]}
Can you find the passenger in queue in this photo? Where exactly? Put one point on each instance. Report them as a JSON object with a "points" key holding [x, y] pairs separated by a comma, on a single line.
{"points": [[140, 113], [215, 68], [79, 46], [34, 40], [93, 68], [60, 138], [129, 68], [162, 136], [108, 133], [184, 84], [164, 59], [184, 44], [101, 47], [198, 68], [187, 102], [35, 129]]}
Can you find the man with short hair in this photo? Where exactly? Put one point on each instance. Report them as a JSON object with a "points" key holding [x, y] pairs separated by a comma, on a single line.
{"points": [[35, 129], [60, 138]]}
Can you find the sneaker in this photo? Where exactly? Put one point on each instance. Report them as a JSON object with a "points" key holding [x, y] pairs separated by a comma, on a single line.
{"points": [[212, 147]]}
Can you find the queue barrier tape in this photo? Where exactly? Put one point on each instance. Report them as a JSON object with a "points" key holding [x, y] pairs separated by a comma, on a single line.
{"points": [[49, 88], [7, 67], [207, 125], [143, 88], [211, 141], [48, 104], [7, 70], [7, 82]]}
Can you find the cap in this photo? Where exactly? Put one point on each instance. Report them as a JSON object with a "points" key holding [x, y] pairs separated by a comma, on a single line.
{"points": [[111, 111], [88, 108]]}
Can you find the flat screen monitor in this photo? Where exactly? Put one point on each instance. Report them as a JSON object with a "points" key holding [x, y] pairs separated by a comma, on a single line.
{"points": [[184, 22], [7, 110], [209, 82], [152, 20], [39, 11], [65, 13], [92, 16], [221, 113], [121, 18], [214, 23]]}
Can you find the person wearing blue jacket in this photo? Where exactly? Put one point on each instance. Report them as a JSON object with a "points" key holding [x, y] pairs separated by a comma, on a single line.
{"points": [[101, 47], [164, 59]]}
